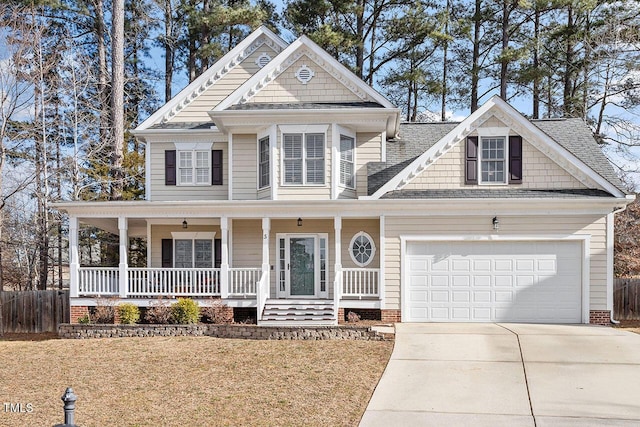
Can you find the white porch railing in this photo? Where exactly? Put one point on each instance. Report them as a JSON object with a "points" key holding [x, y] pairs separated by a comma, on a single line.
{"points": [[174, 281], [360, 282], [242, 281], [98, 281], [262, 293]]}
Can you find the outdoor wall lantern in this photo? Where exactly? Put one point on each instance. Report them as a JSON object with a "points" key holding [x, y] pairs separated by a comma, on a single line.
{"points": [[496, 223], [184, 224], [299, 222]]}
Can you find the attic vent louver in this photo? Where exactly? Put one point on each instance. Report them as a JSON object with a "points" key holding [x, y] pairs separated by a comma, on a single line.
{"points": [[263, 60], [304, 74]]}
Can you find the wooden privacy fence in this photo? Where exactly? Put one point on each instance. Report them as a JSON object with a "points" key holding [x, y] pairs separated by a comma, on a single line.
{"points": [[626, 299], [34, 311]]}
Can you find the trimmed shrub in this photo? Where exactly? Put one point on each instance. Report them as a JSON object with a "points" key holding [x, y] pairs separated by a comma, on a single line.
{"points": [[105, 310], [85, 320], [158, 312], [185, 311], [216, 312], [129, 313]]}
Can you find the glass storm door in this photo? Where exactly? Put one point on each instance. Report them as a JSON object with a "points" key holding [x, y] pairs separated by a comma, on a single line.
{"points": [[302, 266]]}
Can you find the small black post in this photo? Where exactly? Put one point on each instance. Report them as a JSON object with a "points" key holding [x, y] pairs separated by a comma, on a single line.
{"points": [[69, 399]]}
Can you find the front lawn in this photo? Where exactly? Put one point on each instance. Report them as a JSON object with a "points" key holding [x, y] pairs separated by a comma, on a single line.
{"points": [[190, 381]]}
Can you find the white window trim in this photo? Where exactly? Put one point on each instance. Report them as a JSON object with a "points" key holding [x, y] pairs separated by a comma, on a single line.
{"points": [[373, 249], [193, 182], [493, 132], [264, 134], [348, 133], [193, 236], [303, 129]]}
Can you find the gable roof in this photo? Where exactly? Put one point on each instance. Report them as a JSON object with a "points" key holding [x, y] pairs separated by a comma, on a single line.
{"points": [[568, 141], [305, 46], [213, 74]]}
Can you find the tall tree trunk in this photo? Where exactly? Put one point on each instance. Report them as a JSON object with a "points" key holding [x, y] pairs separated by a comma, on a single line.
{"points": [[168, 49], [536, 62], [103, 81], [504, 62], [568, 71], [445, 65], [117, 98], [475, 67], [360, 38]]}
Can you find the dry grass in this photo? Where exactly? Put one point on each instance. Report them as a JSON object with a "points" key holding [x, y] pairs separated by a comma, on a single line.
{"points": [[191, 381], [630, 325]]}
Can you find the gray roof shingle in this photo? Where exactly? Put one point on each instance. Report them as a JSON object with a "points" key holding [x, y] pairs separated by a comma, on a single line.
{"points": [[495, 194], [416, 138]]}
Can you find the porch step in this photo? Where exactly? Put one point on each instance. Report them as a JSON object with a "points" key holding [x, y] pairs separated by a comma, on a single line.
{"points": [[298, 312]]}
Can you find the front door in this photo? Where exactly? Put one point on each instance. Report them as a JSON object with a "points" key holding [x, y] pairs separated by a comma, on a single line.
{"points": [[302, 265]]}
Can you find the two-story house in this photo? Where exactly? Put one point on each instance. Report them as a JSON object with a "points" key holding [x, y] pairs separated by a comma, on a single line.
{"points": [[281, 183]]}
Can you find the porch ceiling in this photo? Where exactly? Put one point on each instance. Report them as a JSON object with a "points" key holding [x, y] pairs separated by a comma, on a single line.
{"points": [[137, 226]]}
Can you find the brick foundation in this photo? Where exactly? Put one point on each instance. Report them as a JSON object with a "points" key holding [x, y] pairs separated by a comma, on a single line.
{"points": [[341, 316], [77, 312], [364, 313], [390, 316], [600, 317]]}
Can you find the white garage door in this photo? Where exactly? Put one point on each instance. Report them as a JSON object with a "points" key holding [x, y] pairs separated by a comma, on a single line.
{"points": [[533, 281]]}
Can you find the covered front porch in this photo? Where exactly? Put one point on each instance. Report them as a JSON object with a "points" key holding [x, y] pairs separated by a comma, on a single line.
{"points": [[315, 266]]}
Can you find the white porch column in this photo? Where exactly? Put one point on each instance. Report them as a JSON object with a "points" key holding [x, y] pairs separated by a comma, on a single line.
{"points": [[224, 263], [124, 249], [381, 254], [337, 238], [266, 228], [74, 260]]}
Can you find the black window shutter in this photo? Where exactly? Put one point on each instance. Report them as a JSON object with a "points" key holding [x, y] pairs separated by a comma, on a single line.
{"points": [[515, 159], [170, 167], [167, 253], [217, 250], [216, 167], [471, 161]]}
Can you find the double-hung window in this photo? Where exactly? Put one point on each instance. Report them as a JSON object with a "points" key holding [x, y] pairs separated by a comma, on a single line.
{"points": [[347, 176], [264, 172], [493, 160], [193, 253], [194, 167], [303, 158]]}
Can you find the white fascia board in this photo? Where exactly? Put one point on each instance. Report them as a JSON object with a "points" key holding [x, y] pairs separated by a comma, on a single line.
{"points": [[275, 67], [248, 119], [196, 87], [343, 207], [465, 127], [173, 132]]}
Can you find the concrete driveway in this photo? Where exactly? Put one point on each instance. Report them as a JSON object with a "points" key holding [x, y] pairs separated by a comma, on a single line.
{"points": [[509, 375]]}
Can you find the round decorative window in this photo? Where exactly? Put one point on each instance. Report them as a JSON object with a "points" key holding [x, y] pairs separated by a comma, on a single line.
{"points": [[362, 249], [263, 60]]}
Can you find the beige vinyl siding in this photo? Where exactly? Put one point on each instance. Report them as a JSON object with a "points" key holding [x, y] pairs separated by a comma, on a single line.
{"points": [[323, 87], [349, 229], [159, 232], [539, 172], [197, 110], [245, 167], [264, 193], [246, 250], [305, 192], [594, 226], [162, 192], [368, 149]]}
